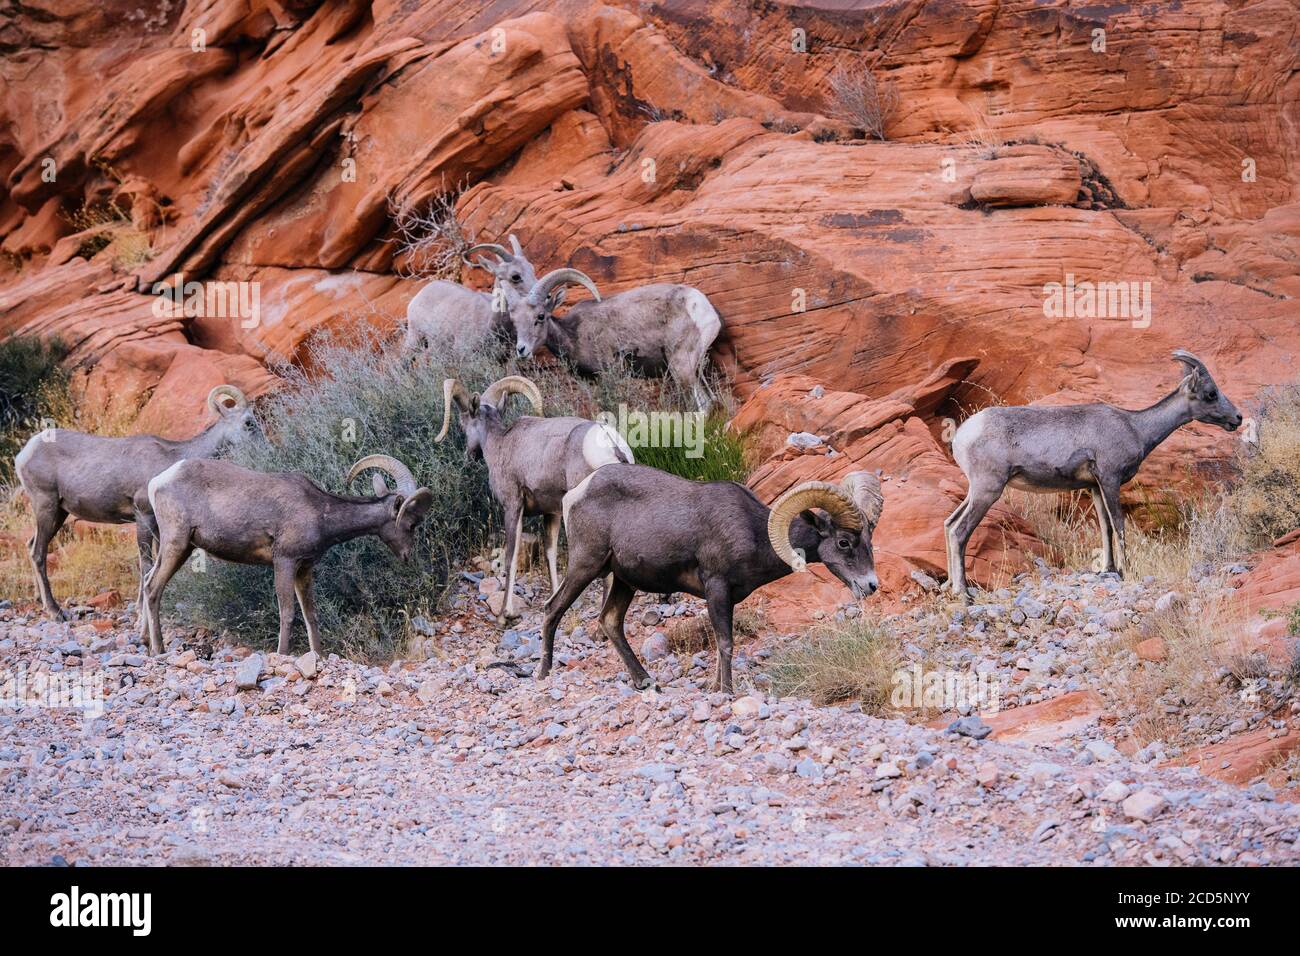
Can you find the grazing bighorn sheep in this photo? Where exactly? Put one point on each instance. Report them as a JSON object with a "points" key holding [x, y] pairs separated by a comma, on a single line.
{"points": [[659, 533], [284, 519], [467, 316], [103, 479], [1066, 447], [657, 328], [531, 463]]}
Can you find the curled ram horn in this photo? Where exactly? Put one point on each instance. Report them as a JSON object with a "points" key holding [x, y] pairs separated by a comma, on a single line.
{"points": [[833, 499], [864, 488], [552, 279], [452, 391], [225, 391], [406, 485], [497, 393], [496, 249]]}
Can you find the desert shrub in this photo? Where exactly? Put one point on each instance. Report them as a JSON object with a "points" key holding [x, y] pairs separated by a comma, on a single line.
{"points": [[1266, 497], [690, 635], [431, 238], [859, 98], [850, 660], [362, 398], [33, 388]]}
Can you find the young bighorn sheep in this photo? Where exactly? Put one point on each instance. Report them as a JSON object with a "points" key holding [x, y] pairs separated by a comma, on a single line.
{"points": [[284, 520], [659, 533], [531, 463], [103, 479], [657, 328], [1061, 448], [449, 311]]}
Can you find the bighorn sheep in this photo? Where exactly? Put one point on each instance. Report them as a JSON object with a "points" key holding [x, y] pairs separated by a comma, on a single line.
{"points": [[531, 463], [103, 479], [1066, 447], [659, 533], [657, 328], [449, 311], [282, 519]]}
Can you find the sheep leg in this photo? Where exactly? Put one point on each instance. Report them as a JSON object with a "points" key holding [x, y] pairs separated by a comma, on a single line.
{"points": [[978, 502], [146, 533], [1103, 522], [947, 535], [514, 530], [302, 588], [720, 615], [617, 600], [551, 525], [1110, 501], [285, 572], [49, 519], [687, 366], [171, 555], [574, 583]]}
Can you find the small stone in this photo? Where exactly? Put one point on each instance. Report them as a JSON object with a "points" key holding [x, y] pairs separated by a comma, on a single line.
{"points": [[427, 692], [308, 664], [1152, 649], [1114, 792], [248, 672], [775, 762], [986, 775], [745, 707], [654, 647], [496, 602], [701, 711], [1145, 805], [970, 727]]}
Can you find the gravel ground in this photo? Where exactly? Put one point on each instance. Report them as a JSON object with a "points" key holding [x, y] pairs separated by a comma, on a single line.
{"points": [[449, 760]]}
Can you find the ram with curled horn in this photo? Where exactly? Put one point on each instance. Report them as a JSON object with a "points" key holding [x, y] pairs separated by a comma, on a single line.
{"points": [[448, 313], [660, 328], [656, 532], [104, 479], [282, 519], [1054, 448], [531, 462]]}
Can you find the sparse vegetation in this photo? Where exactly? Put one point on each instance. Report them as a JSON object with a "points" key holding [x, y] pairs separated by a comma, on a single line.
{"points": [[431, 240], [691, 635], [364, 398], [1266, 498], [33, 390], [859, 98], [852, 660]]}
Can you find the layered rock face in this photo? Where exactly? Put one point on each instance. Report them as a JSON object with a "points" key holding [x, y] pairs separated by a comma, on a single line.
{"points": [[1066, 192]]}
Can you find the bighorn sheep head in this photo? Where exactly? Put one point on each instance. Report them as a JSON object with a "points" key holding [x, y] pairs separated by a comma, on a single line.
{"points": [[480, 412], [1207, 403], [235, 419], [847, 515], [532, 315], [407, 506], [509, 269]]}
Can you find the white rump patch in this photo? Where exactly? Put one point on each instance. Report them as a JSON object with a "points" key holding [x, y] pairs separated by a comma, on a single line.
{"points": [[23, 457], [967, 435], [603, 445], [572, 496], [704, 315], [162, 480]]}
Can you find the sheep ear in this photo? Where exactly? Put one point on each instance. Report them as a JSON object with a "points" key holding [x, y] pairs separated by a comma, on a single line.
{"points": [[415, 508], [377, 482], [473, 405], [820, 521], [558, 296]]}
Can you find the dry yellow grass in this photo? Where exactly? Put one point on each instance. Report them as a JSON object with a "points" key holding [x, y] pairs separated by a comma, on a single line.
{"points": [[850, 660], [1266, 498], [82, 562], [690, 635]]}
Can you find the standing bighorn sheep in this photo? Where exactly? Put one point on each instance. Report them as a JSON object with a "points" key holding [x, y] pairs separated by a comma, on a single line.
{"points": [[531, 463], [1067, 447], [284, 520], [448, 311], [659, 533], [657, 328], [103, 479]]}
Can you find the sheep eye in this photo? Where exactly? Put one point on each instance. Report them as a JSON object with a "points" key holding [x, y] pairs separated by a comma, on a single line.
{"points": [[844, 544], [516, 278], [1211, 395], [540, 320]]}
